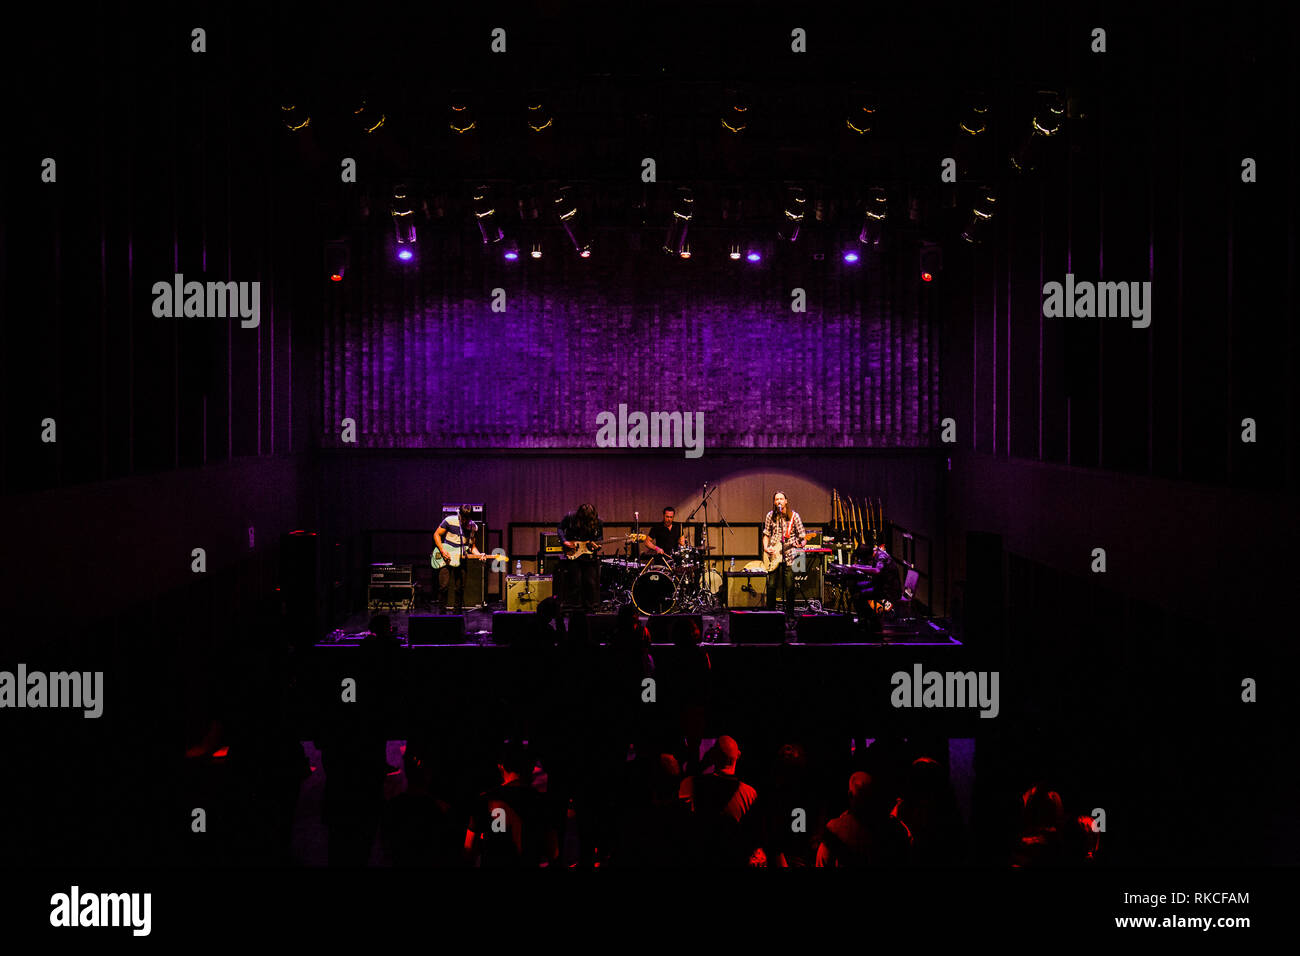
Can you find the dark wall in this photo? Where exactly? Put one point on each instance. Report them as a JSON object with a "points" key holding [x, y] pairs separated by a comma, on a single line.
{"points": [[1136, 188], [92, 551], [166, 163], [1075, 433]]}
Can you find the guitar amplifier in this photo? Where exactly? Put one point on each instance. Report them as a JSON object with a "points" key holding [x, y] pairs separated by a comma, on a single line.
{"points": [[808, 585], [746, 589], [524, 592], [389, 573], [550, 544], [399, 597]]}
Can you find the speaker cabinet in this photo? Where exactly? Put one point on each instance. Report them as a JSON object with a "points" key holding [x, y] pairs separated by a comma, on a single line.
{"points": [[825, 629], [435, 629], [746, 589], [757, 627], [519, 629], [525, 592], [668, 628]]}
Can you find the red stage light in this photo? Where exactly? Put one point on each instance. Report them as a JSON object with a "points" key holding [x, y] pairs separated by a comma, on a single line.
{"points": [[926, 277], [336, 278]]}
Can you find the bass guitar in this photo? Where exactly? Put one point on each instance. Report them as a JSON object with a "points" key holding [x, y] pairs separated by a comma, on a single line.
{"points": [[576, 549], [437, 561]]}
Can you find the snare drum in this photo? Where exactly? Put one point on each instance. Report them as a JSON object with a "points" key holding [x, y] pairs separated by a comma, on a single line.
{"points": [[655, 592]]}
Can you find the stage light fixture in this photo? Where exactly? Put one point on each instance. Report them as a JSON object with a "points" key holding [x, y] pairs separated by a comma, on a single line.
{"points": [[461, 121], [981, 213], [931, 259], [975, 123], [735, 251], [795, 207], [861, 119], [485, 214], [539, 117], [336, 259], [850, 256], [753, 256], [368, 118], [294, 116], [1047, 121], [403, 216], [875, 218], [686, 251], [566, 211], [405, 254], [511, 252], [683, 210], [536, 252]]}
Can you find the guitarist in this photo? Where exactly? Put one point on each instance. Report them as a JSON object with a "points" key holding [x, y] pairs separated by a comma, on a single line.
{"points": [[454, 540], [783, 535], [580, 573]]}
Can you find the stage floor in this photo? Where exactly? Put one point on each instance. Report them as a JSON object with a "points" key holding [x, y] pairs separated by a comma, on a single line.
{"points": [[716, 626]]}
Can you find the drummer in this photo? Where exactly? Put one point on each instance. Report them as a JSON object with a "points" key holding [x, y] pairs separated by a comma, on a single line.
{"points": [[666, 537]]}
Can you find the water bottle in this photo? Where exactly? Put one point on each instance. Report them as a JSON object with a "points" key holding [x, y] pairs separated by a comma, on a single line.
{"points": [[519, 567], [733, 564]]}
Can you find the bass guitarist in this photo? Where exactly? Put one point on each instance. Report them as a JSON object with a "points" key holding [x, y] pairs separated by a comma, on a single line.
{"points": [[579, 569], [453, 543]]}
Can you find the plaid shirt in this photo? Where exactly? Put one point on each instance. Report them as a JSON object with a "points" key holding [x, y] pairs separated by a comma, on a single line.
{"points": [[788, 531]]}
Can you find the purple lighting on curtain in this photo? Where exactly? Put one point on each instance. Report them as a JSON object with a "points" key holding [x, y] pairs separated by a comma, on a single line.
{"points": [[406, 255]]}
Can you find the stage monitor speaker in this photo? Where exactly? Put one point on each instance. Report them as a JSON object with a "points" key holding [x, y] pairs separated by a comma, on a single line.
{"points": [[826, 629], [746, 589], [757, 627], [524, 592], [520, 629], [435, 629], [600, 627], [667, 628]]}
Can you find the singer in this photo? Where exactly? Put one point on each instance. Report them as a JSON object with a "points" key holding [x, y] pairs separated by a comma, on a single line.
{"points": [[783, 536]]}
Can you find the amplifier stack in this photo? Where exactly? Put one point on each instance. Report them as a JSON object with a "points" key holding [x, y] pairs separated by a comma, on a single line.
{"points": [[391, 587]]}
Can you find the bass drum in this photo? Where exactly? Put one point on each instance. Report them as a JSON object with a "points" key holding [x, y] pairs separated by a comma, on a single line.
{"points": [[655, 592]]}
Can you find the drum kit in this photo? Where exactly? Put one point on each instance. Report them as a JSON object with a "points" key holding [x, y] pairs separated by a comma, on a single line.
{"points": [[680, 582]]}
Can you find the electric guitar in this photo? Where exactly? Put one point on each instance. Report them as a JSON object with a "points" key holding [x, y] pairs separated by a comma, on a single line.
{"points": [[437, 561], [787, 548], [579, 548]]}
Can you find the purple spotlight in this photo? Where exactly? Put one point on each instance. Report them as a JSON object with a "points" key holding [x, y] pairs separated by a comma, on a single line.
{"points": [[850, 256], [512, 255], [406, 255], [753, 257]]}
